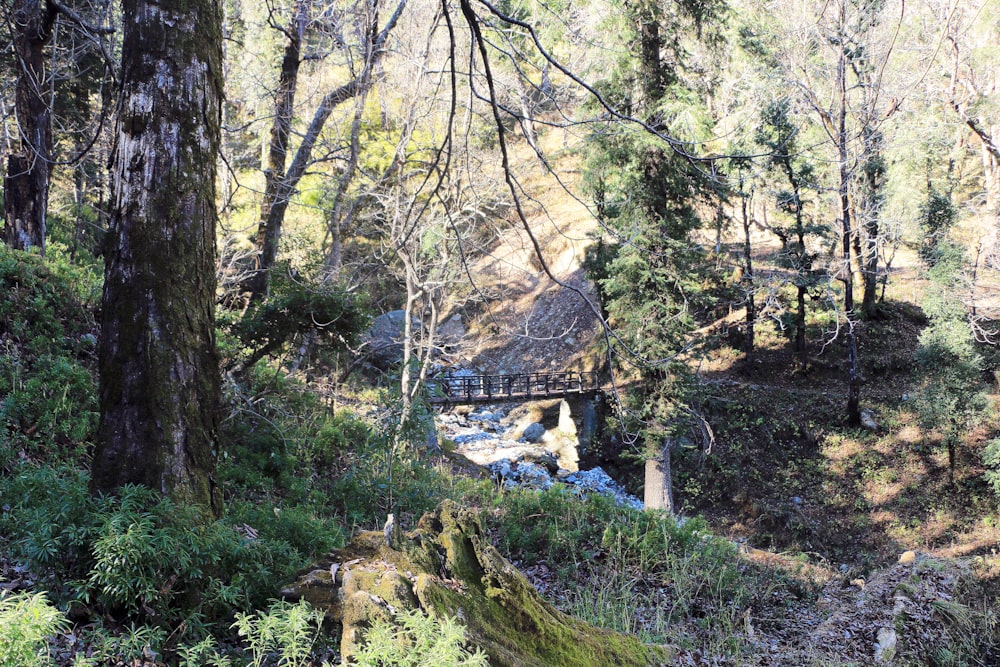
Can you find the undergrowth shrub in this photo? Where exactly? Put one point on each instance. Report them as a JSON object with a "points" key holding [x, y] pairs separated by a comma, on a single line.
{"points": [[132, 644], [295, 308], [281, 438], [48, 389], [414, 639], [26, 621], [991, 460], [286, 631], [378, 478], [145, 557], [204, 653], [283, 444]]}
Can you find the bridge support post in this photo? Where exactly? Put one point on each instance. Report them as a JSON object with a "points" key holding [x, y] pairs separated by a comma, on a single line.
{"points": [[578, 416]]}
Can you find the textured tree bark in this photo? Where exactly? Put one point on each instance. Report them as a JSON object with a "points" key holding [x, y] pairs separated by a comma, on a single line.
{"points": [[748, 277], [658, 488], [26, 185], [159, 394]]}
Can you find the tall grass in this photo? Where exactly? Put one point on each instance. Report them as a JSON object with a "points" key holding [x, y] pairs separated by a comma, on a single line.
{"points": [[632, 571]]}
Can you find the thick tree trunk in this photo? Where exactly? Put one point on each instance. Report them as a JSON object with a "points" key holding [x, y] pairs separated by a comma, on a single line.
{"points": [[26, 186], [159, 395]]}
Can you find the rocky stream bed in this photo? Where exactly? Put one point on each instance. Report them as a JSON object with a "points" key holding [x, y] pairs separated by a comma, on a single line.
{"points": [[518, 449]]}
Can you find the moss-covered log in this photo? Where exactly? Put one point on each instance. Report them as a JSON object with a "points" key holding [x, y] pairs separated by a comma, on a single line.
{"points": [[448, 567], [159, 369]]}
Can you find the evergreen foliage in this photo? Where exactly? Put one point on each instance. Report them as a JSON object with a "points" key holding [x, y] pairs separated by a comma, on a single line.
{"points": [[937, 215], [952, 398], [414, 639], [295, 308], [142, 556], [26, 621], [650, 274]]}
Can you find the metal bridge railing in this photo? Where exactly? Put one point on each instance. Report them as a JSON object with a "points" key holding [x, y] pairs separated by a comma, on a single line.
{"points": [[519, 386]]}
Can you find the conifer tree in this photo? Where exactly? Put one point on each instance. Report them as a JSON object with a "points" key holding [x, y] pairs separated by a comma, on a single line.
{"points": [[646, 190]]}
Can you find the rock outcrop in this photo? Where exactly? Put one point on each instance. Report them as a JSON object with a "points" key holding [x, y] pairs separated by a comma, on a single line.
{"points": [[446, 566]]}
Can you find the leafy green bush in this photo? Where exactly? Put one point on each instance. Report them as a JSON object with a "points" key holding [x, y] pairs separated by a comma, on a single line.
{"points": [[204, 653], [295, 308], [52, 402], [282, 444], [413, 639], [48, 386], [50, 522], [951, 397], [130, 645], [991, 459], [298, 527], [26, 620], [141, 555], [378, 477], [338, 434], [286, 630]]}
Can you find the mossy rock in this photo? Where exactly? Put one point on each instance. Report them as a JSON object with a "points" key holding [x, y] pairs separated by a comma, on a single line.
{"points": [[447, 567]]}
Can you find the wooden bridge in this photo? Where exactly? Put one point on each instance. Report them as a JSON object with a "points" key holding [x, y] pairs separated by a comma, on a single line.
{"points": [[470, 389]]}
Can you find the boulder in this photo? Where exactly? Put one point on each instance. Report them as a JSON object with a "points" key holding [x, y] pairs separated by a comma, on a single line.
{"points": [[451, 332], [533, 432], [385, 339], [448, 566]]}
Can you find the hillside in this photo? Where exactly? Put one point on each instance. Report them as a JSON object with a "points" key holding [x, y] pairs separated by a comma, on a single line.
{"points": [[867, 520]]}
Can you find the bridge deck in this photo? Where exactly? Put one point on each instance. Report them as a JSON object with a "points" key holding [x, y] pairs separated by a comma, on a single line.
{"points": [[471, 389]]}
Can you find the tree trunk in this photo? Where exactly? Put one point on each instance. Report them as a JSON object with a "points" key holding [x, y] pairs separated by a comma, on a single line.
{"points": [[647, 16], [26, 186], [748, 280], [159, 395], [872, 198], [276, 188], [853, 376], [273, 209], [658, 493]]}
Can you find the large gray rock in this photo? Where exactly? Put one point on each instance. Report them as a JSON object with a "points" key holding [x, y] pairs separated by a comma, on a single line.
{"points": [[385, 339], [533, 433], [451, 332]]}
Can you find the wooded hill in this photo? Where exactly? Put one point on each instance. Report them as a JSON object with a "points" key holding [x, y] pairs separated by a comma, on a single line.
{"points": [[772, 227]]}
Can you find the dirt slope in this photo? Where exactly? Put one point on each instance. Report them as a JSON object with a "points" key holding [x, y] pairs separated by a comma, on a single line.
{"points": [[520, 319]]}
